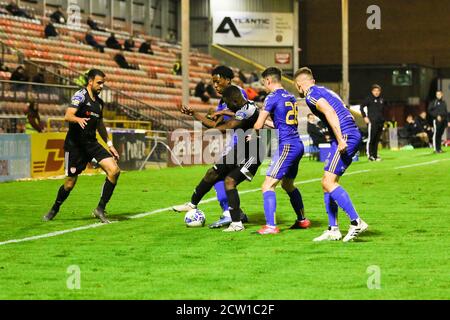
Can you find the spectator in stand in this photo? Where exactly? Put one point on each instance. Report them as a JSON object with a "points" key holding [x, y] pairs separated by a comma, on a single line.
{"points": [[416, 135], [251, 93], [200, 91], [253, 77], [33, 124], [129, 44], [39, 77], [316, 133], [58, 16], [14, 9], [242, 76], [120, 59], [50, 31], [171, 38], [112, 42], [3, 68], [19, 74], [424, 125], [177, 67], [94, 26], [90, 40], [146, 47], [438, 112]]}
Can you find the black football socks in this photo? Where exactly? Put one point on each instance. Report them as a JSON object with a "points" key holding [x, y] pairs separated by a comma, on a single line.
{"points": [[108, 189], [202, 189], [60, 198], [235, 205]]}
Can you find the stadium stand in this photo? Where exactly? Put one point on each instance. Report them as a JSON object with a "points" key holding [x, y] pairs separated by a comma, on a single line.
{"points": [[153, 85]]}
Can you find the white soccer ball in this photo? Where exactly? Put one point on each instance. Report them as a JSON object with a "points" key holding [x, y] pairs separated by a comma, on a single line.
{"points": [[195, 218]]}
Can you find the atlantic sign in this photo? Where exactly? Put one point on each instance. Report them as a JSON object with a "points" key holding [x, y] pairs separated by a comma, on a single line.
{"points": [[253, 29]]}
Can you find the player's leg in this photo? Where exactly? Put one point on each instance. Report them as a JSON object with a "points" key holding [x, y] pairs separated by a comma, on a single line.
{"points": [[222, 197], [212, 176], [244, 172], [330, 184], [287, 183], [379, 131], [112, 170], [62, 195], [75, 162]]}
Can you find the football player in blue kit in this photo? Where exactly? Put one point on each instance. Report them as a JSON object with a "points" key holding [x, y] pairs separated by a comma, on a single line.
{"points": [[281, 106], [345, 142]]}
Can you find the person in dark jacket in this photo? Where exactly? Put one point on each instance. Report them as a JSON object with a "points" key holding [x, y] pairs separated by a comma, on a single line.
{"points": [[58, 16], [19, 74], [94, 26], [424, 125], [90, 40], [146, 47], [14, 9], [438, 112], [120, 59], [112, 42], [372, 111], [50, 31], [129, 44]]}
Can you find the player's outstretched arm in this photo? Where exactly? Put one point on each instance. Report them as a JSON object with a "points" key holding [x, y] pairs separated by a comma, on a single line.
{"points": [[101, 128], [332, 118], [198, 116], [71, 117], [231, 124]]}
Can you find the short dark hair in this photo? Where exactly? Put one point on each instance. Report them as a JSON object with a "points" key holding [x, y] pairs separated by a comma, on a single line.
{"points": [[232, 92], [273, 72], [375, 86], [304, 70], [223, 71], [95, 72]]}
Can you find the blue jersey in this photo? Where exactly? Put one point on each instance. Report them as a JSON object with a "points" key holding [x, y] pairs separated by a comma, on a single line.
{"points": [[222, 105], [283, 110], [346, 120]]}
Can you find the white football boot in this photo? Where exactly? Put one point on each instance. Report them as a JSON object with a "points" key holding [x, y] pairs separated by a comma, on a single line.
{"points": [[354, 231], [234, 227], [184, 207], [330, 235]]}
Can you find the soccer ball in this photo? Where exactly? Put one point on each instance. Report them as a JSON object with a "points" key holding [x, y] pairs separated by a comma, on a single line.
{"points": [[195, 218]]}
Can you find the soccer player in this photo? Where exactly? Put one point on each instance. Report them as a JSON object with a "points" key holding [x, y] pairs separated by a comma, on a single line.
{"points": [[221, 78], [235, 166], [282, 108], [345, 141], [85, 117]]}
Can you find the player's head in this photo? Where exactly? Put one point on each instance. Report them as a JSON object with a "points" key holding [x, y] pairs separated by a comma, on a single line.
{"points": [[439, 94], [376, 90], [304, 80], [221, 77], [96, 80], [409, 118], [271, 78], [233, 97]]}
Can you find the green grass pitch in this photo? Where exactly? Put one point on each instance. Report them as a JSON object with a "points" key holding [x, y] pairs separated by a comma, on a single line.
{"points": [[156, 257]]}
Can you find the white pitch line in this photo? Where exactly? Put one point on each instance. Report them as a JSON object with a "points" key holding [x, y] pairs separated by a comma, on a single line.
{"points": [[421, 164], [142, 215]]}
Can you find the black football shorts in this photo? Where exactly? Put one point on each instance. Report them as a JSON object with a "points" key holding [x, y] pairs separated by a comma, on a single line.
{"points": [[77, 157]]}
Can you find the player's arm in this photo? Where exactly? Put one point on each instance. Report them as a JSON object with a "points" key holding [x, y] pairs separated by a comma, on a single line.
{"points": [[101, 128], [230, 124], [269, 123], [71, 117], [332, 118], [198, 116], [262, 118]]}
